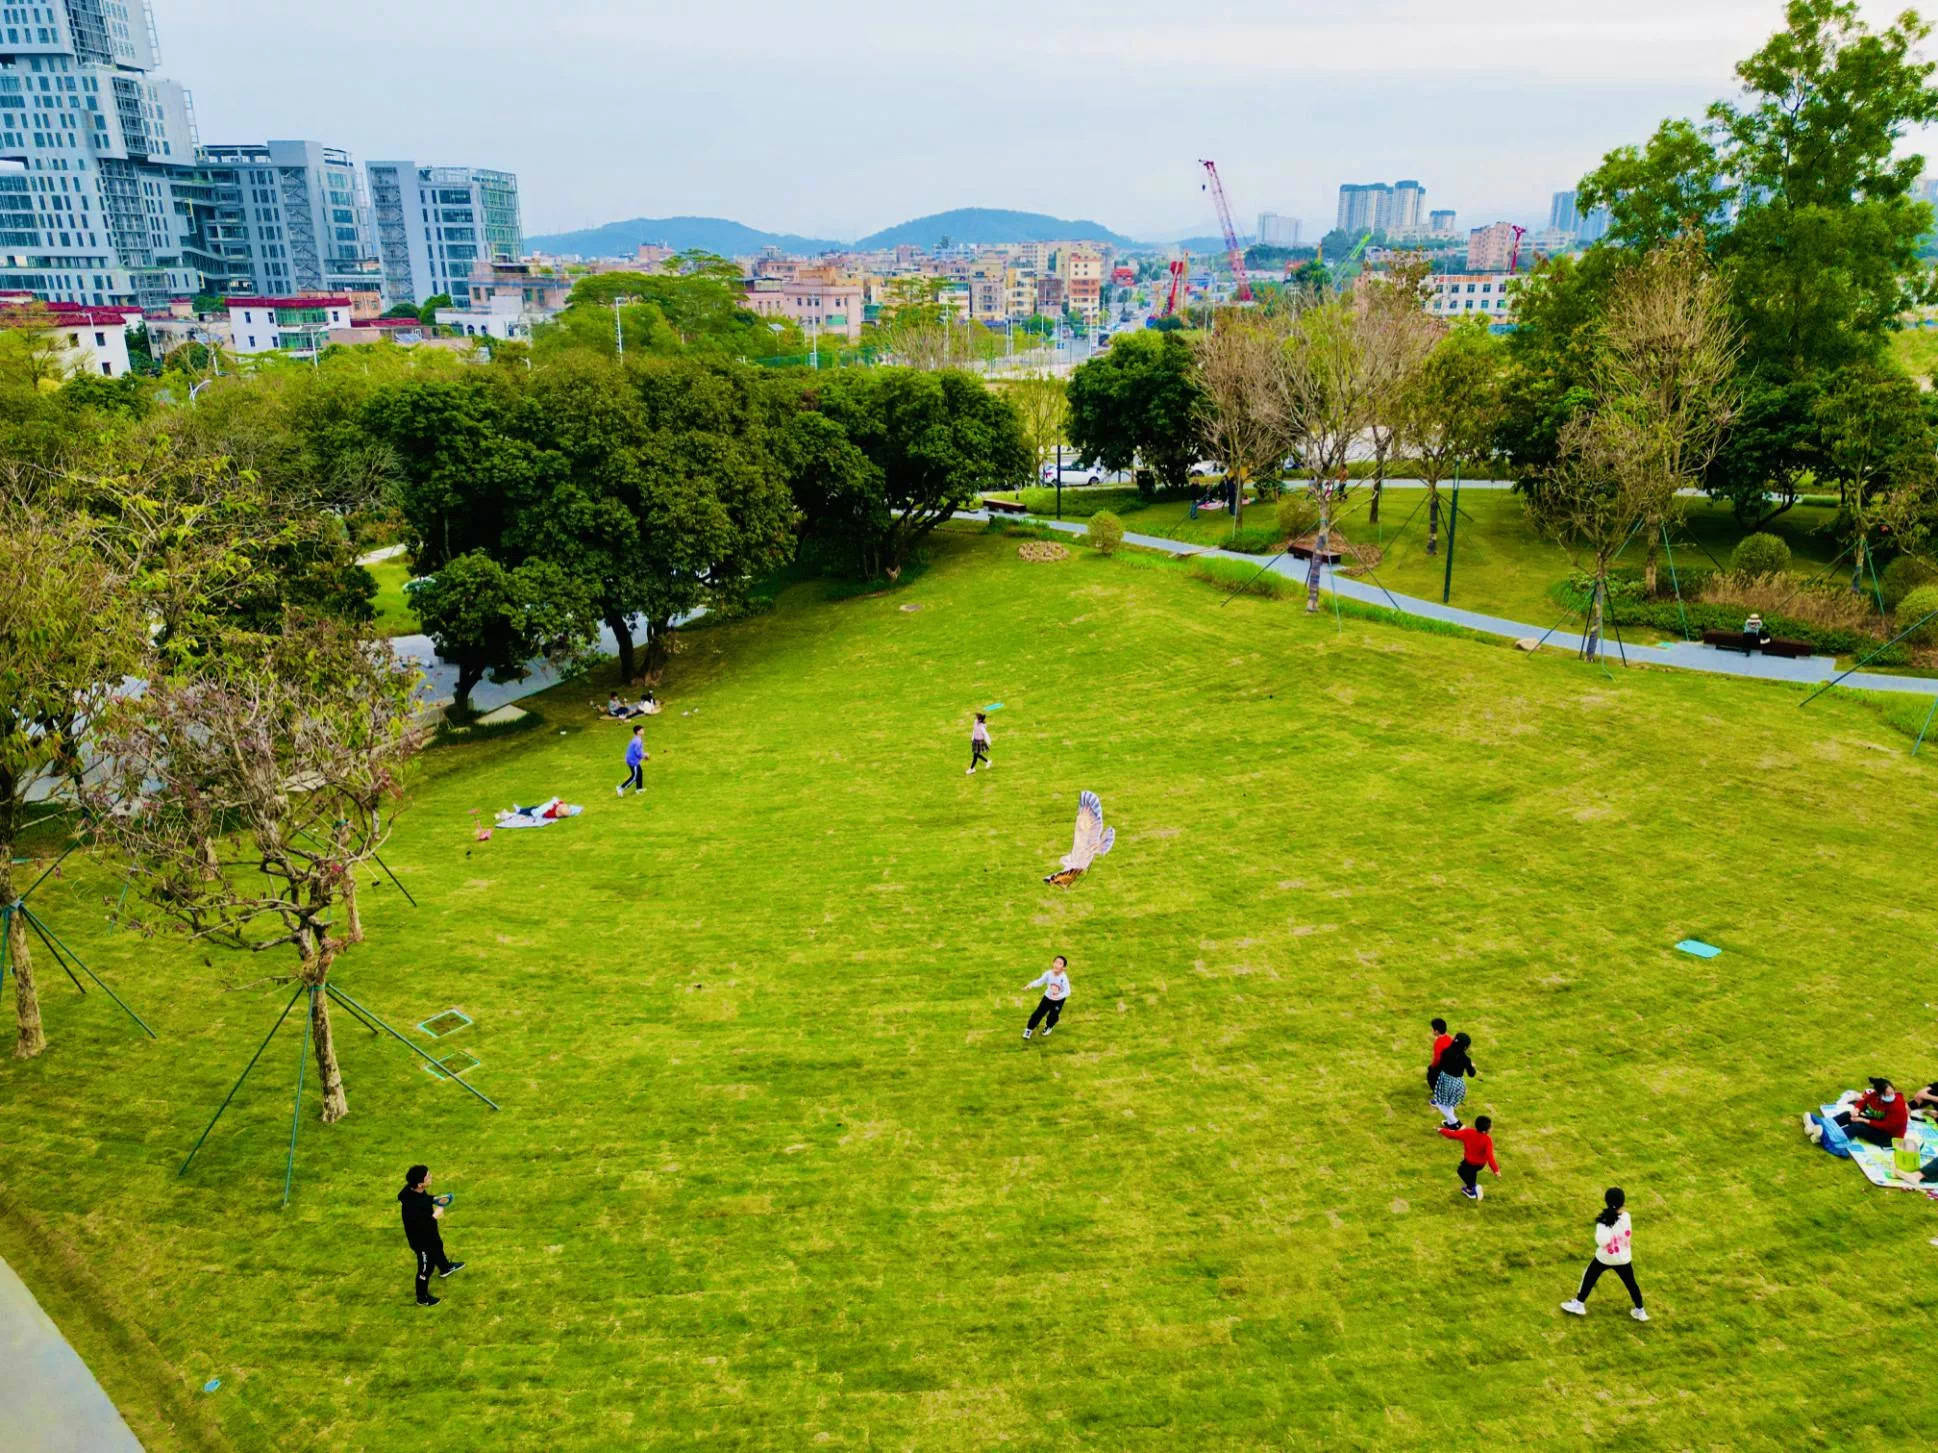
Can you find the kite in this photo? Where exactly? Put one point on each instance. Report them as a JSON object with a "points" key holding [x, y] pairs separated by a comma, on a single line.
{"points": [[1092, 841]]}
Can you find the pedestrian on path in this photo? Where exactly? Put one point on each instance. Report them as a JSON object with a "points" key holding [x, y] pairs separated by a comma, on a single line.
{"points": [[1441, 1039], [1613, 1236], [979, 744], [1055, 984], [1476, 1150], [422, 1212], [636, 757], [1450, 1080]]}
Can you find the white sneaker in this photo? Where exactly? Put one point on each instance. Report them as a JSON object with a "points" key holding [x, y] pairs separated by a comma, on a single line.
{"points": [[970, 773], [1048, 1032], [618, 792], [1575, 1308], [1480, 1193], [1028, 1032], [1814, 1129], [1639, 1314]]}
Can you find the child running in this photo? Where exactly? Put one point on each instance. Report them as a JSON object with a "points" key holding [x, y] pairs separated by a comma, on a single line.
{"points": [[1613, 1236], [1055, 985], [1450, 1080], [1476, 1150], [979, 744], [635, 764], [1441, 1039]]}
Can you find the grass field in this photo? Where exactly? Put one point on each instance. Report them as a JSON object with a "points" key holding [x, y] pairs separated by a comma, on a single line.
{"points": [[775, 1170], [394, 616]]}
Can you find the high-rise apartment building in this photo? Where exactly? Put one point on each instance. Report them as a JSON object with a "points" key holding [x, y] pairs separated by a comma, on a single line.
{"points": [[1380, 207], [1491, 249], [1565, 216], [433, 223], [1277, 230], [98, 199], [1441, 223], [290, 217]]}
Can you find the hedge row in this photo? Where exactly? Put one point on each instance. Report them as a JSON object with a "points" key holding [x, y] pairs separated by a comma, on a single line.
{"points": [[1664, 616]]}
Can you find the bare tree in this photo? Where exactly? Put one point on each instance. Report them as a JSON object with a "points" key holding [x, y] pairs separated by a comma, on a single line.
{"points": [[69, 633], [1395, 303], [1339, 362], [1237, 366], [246, 792], [1665, 396]]}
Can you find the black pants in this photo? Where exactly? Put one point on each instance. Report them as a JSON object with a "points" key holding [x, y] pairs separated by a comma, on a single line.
{"points": [[978, 752], [1469, 1174], [1433, 1073], [1860, 1130], [1594, 1274], [1047, 1006], [635, 779], [429, 1258]]}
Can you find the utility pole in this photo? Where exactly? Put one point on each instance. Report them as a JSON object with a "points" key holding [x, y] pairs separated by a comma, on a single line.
{"points": [[618, 329], [1453, 525], [1059, 479]]}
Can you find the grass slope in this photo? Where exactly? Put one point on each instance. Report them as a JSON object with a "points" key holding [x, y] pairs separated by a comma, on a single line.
{"points": [[775, 1170]]}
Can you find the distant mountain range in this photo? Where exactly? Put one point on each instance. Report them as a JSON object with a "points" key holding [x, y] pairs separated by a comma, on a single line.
{"points": [[735, 239]]}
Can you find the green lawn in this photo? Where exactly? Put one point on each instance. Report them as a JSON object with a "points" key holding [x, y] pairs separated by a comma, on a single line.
{"points": [[394, 617], [775, 1170]]}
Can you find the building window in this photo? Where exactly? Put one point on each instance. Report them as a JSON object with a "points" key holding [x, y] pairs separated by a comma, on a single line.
{"points": [[108, 369]]}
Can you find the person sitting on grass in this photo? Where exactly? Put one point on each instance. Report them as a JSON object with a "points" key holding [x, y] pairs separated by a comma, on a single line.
{"points": [[614, 706], [1880, 1116], [1477, 1150], [1926, 1100]]}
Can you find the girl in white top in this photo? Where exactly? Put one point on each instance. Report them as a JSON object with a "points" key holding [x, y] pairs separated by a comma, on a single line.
{"points": [[979, 744], [1055, 984], [1613, 1236]]}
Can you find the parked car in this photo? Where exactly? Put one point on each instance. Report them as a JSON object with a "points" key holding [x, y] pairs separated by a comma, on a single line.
{"points": [[1205, 468]]}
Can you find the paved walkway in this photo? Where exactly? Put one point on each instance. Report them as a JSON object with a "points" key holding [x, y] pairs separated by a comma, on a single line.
{"points": [[1689, 656], [49, 1401]]}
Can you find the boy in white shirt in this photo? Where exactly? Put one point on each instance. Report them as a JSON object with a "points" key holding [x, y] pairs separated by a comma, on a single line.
{"points": [[1055, 984]]}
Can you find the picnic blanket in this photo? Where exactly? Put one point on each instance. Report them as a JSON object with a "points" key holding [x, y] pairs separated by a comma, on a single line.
{"points": [[1876, 1161], [543, 815]]}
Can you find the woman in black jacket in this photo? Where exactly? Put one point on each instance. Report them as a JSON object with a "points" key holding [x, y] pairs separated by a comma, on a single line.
{"points": [[1450, 1086]]}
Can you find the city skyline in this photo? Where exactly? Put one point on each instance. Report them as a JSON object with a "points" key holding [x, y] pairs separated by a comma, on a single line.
{"points": [[862, 114]]}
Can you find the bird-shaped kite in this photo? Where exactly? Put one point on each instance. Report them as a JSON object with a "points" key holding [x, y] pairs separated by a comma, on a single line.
{"points": [[1092, 841]]}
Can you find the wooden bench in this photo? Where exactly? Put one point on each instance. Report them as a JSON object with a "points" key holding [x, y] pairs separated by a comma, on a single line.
{"points": [[1769, 646], [1004, 506]]}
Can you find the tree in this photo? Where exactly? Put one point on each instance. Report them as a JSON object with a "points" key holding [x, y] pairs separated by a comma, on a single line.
{"points": [[1449, 410], [1394, 306], [1335, 369], [427, 314], [242, 798], [1042, 404], [490, 621], [403, 310], [1237, 369], [936, 441], [1878, 448], [69, 633], [1665, 395], [1139, 402]]}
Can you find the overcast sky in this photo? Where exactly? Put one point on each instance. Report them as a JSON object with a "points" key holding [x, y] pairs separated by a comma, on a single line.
{"points": [[838, 117]]}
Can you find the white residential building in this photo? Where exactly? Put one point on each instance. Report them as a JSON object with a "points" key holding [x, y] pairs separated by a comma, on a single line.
{"points": [[294, 326], [84, 339], [434, 223], [1467, 294], [290, 216]]}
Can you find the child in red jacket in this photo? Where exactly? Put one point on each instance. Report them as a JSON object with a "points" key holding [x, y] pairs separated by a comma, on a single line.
{"points": [[1441, 1039], [1477, 1150]]}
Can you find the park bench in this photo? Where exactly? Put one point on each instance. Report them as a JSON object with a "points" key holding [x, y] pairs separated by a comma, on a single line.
{"points": [[1004, 506], [1769, 646]]}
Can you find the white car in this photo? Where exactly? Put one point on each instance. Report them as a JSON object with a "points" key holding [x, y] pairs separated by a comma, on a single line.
{"points": [[1072, 475]]}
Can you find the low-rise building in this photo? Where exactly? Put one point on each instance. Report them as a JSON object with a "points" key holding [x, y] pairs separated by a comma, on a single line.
{"points": [[82, 339], [299, 327]]}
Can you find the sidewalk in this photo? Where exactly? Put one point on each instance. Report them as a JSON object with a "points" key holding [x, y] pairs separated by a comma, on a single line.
{"points": [[49, 1401], [1688, 656]]}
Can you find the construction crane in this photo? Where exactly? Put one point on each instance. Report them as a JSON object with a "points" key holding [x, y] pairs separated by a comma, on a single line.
{"points": [[1514, 258], [1180, 265], [1232, 249]]}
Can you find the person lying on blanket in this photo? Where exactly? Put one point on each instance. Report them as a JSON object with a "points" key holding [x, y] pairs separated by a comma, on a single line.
{"points": [[1926, 1099], [1880, 1116]]}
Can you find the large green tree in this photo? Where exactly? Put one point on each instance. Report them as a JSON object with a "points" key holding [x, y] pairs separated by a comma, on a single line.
{"points": [[489, 621], [1140, 403]]}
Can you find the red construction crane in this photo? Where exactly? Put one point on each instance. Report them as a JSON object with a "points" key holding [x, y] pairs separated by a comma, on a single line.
{"points": [[1232, 249], [1179, 267], [1514, 258]]}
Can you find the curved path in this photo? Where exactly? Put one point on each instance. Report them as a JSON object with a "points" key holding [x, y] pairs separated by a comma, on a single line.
{"points": [[1690, 656], [49, 1401]]}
